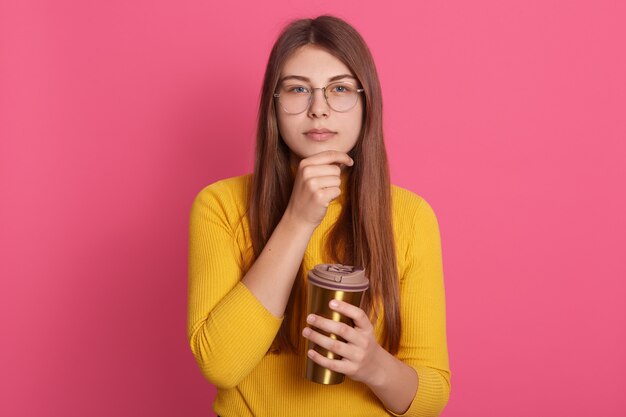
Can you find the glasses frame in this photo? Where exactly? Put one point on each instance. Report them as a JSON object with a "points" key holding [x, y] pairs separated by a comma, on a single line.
{"points": [[312, 91]]}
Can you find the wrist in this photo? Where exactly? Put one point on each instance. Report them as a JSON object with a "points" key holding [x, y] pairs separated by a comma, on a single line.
{"points": [[385, 367], [395, 383], [297, 226]]}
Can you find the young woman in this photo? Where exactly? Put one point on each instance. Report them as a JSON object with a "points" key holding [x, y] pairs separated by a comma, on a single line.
{"points": [[320, 193]]}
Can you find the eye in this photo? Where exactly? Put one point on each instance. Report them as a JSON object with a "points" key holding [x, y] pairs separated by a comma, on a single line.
{"points": [[297, 89], [342, 88]]}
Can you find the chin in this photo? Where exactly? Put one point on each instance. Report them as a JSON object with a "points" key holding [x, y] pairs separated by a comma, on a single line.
{"points": [[309, 151]]}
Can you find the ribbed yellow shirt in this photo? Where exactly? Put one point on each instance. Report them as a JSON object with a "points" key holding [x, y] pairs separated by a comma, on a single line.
{"points": [[230, 331]]}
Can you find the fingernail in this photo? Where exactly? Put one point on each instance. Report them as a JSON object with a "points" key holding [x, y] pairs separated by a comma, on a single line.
{"points": [[306, 331], [310, 318], [334, 303]]}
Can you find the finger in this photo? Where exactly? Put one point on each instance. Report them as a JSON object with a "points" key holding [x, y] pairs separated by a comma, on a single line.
{"points": [[311, 171], [341, 366], [355, 313], [338, 328], [333, 345], [326, 195], [327, 157], [318, 183]]}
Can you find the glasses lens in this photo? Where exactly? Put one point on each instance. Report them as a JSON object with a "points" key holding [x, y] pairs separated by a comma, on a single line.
{"points": [[294, 98], [342, 96]]}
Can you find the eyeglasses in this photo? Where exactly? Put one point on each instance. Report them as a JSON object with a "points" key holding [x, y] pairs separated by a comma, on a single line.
{"points": [[296, 98]]}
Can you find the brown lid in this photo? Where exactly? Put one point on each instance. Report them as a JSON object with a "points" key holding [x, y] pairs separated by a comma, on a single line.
{"points": [[339, 277]]}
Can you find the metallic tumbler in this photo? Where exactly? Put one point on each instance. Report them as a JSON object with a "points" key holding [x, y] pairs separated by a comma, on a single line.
{"points": [[327, 282]]}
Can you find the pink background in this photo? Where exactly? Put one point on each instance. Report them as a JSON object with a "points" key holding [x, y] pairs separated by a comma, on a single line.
{"points": [[507, 116]]}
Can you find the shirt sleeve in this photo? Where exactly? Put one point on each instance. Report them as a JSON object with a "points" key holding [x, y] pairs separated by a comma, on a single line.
{"points": [[228, 328], [423, 344]]}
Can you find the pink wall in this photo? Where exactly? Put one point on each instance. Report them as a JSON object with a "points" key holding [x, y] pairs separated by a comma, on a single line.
{"points": [[507, 116]]}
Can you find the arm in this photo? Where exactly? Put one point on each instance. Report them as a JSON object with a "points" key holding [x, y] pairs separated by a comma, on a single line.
{"points": [[223, 315], [417, 382], [271, 277], [228, 309], [423, 345]]}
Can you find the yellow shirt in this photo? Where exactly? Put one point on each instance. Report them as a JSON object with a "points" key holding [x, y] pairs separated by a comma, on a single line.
{"points": [[230, 331]]}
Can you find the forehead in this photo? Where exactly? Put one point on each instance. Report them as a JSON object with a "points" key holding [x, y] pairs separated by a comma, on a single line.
{"points": [[315, 63]]}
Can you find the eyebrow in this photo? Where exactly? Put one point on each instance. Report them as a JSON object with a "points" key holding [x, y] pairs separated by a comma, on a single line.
{"points": [[301, 78]]}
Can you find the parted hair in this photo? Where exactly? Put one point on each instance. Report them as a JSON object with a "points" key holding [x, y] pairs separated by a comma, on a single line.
{"points": [[363, 233]]}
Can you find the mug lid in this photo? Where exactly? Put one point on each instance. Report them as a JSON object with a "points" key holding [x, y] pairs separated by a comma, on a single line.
{"points": [[340, 277]]}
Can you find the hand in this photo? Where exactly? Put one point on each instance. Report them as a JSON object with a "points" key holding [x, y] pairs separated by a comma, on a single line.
{"points": [[360, 352], [316, 184]]}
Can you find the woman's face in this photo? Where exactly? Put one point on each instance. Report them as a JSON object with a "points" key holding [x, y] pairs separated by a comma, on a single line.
{"points": [[319, 127]]}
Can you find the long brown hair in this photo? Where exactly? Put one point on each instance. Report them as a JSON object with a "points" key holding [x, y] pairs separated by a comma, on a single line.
{"points": [[363, 234]]}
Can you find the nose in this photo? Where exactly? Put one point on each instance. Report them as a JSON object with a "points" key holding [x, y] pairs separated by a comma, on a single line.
{"points": [[319, 107]]}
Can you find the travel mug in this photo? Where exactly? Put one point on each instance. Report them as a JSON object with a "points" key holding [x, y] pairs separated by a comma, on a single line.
{"points": [[327, 282]]}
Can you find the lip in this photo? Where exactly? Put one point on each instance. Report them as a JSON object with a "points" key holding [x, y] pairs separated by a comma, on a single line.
{"points": [[319, 135]]}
